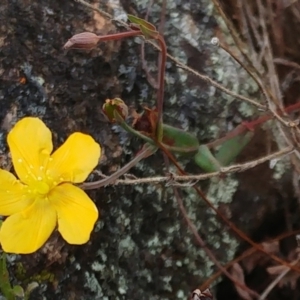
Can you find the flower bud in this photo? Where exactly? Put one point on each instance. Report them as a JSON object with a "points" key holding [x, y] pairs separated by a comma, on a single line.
{"points": [[112, 105], [84, 40]]}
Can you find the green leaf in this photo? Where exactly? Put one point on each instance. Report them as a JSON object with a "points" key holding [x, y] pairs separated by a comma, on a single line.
{"points": [[230, 149], [205, 160], [177, 140], [136, 20], [149, 34], [18, 291], [30, 287], [5, 285], [148, 30]]}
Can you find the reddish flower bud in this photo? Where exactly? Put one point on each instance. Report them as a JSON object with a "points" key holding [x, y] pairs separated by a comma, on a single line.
{"points": [[84, 40], [112, 105]]}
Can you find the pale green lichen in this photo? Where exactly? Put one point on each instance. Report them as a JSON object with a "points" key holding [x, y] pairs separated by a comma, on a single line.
{"points": [[180, 294], [281, 167], [222, 190], [97, 267], [93, 285], [167, 285], [122, 286], [126, 246]]}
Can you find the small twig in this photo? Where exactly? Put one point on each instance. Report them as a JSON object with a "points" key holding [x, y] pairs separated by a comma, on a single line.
{"points": [[149, 76], [287, 63], [276, 99], [235, 36], [161, 78], [102, 12], [264, 91], [180, 64], [271, 286], [248, 25], [112, 179], [244, 255], [202, 244], [231, 225], [216, 84], [183, 178]]}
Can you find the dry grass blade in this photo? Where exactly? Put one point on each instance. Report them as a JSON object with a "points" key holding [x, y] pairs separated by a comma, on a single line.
{"points": [[240, 284], [282, 271], [238, 273]]}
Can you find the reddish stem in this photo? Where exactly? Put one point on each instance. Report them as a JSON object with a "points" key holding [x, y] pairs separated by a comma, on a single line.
{"points": [[119, 35], [162, 67], [231, 225], [161, 78], [249, 126]]}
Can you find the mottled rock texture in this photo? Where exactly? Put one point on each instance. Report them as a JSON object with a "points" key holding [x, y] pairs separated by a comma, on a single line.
{"points": [[141, 248]]}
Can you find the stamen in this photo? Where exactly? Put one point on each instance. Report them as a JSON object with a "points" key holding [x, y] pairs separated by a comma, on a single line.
{"points": [[39, 178]]}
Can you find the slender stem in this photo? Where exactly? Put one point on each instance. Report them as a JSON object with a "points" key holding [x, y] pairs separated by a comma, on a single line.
{"points": [[232, 226], [250, 126], [190, 180], [244, 255], [126, 127], [119, 35], [208, 252], [145, 152], [161, 82]]}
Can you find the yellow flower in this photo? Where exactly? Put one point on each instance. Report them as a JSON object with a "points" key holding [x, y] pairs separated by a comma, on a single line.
{"points": [[44, 195]]}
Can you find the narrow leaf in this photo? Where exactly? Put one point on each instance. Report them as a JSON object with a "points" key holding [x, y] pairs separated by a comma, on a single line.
{"points": [[205, 160], [142, 22], [178, 140], [230, 149], [148, 30]]}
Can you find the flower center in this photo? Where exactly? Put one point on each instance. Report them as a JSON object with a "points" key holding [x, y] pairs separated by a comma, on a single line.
{"points": [[41, 187]]}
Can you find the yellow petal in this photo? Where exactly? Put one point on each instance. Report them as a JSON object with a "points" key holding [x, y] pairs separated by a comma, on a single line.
{"points": [[75, 159], [13, 194], [30, 145], [76, 213], [27, 231]]}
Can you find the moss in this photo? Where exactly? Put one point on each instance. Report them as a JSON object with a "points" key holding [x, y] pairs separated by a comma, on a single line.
{"points": [[20, 271], [43, 277]]}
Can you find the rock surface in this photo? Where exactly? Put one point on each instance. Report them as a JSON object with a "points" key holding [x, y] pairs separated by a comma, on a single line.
{"points": [[141, 248]]}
